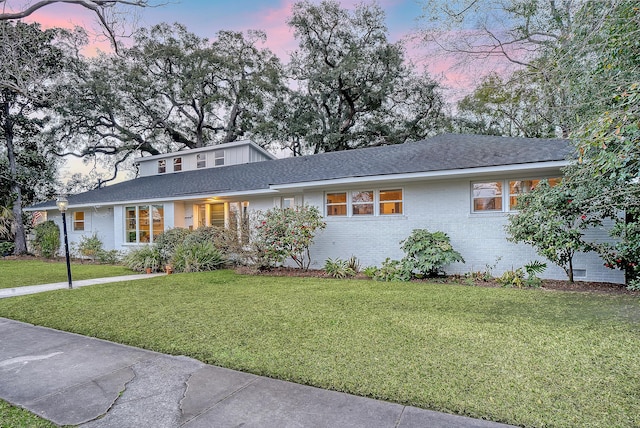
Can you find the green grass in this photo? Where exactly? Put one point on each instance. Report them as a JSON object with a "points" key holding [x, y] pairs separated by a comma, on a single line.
{"points": [[15, 417], [18, 273], [525, 357]]}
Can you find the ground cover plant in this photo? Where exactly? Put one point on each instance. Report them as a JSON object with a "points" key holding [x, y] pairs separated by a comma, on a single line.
{"points": [[17, 273], [15, 417], [523, 356]]}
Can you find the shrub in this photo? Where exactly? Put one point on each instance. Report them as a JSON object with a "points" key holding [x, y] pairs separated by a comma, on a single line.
{"points": [[90, 246], [6, 248], [338, 268], [108, 257], [167, 241], [427, 253], [47, 240], [141, 258], [512, 278], [283, 233], [196, 257], [392, 270]]}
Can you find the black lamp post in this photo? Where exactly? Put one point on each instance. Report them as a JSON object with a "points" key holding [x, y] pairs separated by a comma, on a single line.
{"points": [[62, 203]]}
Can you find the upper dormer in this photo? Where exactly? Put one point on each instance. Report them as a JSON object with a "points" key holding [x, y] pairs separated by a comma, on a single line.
{"points": [[237, 152]]}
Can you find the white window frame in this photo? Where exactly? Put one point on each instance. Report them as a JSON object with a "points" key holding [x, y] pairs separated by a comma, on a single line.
{"points": [[162, 166], [218, 158], [201, 160], [376, 203], [177, 162], [77, 222], [505, 193], [150, 208]]}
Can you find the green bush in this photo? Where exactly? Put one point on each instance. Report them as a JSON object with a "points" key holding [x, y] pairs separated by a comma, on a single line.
{"points": [[90, 246], [196, 257], [283, 233], [143, 258], [338, 268], [512, 278], [167, 241], [392, 270], [427, 253], [108, 257], [6, 248], [47, 240]]}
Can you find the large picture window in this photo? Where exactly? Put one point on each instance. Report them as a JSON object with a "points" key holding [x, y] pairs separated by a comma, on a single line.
{"points": [[361, 203], [143, 223]]}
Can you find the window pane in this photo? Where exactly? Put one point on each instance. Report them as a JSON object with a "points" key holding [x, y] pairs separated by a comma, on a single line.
{"points": [[391, 195], [336, 198], [201, 160], [202, 215], [390, 208], [158, 219], [130, 219], [362, 202], [177, 164], [518, 187], [78, 220], [391, 202], [336, 203], [487, 196], [218, 158], [216, 215], [144, 225], [162, 166]]}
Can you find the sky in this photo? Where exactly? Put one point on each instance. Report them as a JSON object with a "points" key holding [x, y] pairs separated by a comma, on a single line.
{"points": [[206, 17]]}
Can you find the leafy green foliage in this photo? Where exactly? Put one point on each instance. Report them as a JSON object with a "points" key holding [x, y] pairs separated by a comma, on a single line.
{"points": [[47, 239], [512, 278], [552, 222], [90, 246], [391, 270], [428, 252], [142, 258], [339, 268], [283, 233], [6, 248], [196, 257]]}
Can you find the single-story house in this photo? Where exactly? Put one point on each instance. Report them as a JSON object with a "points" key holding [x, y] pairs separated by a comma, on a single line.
{"points": [[371, 198]]}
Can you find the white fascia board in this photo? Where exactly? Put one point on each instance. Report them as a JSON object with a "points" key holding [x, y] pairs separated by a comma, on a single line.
{"points": [[521, 169], [193, 197]]}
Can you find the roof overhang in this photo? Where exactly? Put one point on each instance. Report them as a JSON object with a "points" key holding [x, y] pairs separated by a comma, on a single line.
{"points": [[536, 168]]}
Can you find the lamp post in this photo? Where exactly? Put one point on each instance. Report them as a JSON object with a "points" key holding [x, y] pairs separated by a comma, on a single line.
{"points": [[62, 203]]}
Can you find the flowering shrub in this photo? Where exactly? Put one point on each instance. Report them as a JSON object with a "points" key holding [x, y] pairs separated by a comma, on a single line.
{"points": [[282, 233]]}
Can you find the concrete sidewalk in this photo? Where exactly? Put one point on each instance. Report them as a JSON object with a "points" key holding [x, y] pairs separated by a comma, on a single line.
{"points": [[77, 380], [33, 289]]}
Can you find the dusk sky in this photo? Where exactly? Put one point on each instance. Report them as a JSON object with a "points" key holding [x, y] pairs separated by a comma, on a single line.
{"points": [[206, 17]]}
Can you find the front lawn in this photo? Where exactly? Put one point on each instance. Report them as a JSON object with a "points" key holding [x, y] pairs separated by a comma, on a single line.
{"points": [[525, 357], [18, 273]]}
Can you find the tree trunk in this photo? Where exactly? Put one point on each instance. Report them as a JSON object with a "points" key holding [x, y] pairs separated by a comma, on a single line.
{"points": [[19, 240], [570, 269]]}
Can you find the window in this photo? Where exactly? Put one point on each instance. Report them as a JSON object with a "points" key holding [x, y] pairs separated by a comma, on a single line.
{"points": [[201, 160], [336, 204], [362, 203], [143, 223], [216, 215], [218, 158], [358, 203], [177, 164], [518, 187], [288, 203], [391, 202], [162, 166], [78, 220], [488, 196]]}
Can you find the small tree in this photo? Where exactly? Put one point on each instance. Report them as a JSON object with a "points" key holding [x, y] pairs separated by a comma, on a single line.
{"points": [[552, 222], [428, 252], [283, 233]]}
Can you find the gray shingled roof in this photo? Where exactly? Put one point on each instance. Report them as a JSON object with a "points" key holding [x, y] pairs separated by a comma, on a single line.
{"points": [[440, 153]]}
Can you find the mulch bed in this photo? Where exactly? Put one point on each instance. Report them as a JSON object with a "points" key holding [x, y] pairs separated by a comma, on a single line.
{"points": [[547, 284]]}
